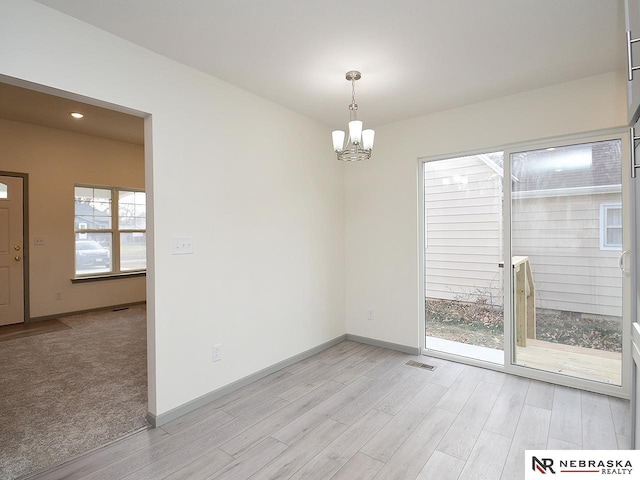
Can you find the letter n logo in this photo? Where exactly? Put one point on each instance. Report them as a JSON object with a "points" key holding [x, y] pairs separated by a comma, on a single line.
{"points": [[542, 465]]}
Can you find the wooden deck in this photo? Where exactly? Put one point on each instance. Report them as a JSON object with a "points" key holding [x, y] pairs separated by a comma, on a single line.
{"points": [[580, 362]]}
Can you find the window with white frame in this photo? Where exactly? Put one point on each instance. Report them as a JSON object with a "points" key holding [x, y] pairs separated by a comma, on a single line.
{"points": [[110, 230], [611, 226]]}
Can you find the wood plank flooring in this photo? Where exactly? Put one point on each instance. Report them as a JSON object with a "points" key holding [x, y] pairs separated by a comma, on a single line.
{"points": [[359, 412]]}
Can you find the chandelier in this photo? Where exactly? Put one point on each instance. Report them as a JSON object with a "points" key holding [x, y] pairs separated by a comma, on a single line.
{"points": [[359, 144]]}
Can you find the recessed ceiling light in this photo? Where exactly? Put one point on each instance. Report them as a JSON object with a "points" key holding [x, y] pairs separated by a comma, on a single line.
{"points": [[76, 115]]}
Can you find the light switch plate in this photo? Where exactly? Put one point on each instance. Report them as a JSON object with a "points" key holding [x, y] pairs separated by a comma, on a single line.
{"points": [[182, 245]]}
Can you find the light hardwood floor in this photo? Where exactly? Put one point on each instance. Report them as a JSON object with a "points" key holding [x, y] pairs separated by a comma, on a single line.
{"points": [[359, 412]]}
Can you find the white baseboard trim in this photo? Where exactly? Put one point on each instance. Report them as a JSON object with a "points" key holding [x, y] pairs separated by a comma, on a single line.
{"points": [[383, 344], [159, 420]]}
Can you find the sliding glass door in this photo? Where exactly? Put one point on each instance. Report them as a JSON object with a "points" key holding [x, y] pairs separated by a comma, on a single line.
{"points": [[526, 260], [567, 244], [463, 248]]}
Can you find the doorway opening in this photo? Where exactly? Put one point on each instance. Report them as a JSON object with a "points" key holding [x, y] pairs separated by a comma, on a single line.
{"points": [[58, 153]]}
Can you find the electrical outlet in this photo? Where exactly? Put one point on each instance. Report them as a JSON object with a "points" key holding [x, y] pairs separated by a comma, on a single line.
{"points": [[58, 295], [217, 352], [38, 241], [370, 314]]}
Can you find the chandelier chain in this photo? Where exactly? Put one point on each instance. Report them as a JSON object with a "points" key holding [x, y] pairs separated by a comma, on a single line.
{"points": [[353, 91]]}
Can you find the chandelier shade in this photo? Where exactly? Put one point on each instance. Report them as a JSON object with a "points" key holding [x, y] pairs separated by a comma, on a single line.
{"points": [[367, 139], [355, 131], [358, 145], [338, 140]]}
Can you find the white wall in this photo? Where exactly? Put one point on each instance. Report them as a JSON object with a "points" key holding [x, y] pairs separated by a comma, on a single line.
{"points": [[267, 277], [55, 161], [381, 197]]}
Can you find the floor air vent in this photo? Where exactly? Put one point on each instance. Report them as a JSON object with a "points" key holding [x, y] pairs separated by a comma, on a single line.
{"points": [[420, 365]]}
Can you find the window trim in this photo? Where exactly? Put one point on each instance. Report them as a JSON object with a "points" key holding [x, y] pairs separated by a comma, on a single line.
{"points": [[108, 276], [115, 231], [604, 209]]}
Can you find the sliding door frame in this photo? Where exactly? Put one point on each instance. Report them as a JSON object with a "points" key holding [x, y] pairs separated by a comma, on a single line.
{"points": [[629, 241]]}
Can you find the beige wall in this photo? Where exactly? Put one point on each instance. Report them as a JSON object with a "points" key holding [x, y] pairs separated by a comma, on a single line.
{"points": [[381, 199], [55, 161]]}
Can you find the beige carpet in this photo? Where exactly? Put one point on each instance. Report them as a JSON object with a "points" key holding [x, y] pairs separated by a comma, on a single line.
{"points": [[65, 392]]}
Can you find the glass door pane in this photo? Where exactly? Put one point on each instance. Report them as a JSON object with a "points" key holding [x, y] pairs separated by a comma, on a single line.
{"points": [[463, 249], [566, 229]]}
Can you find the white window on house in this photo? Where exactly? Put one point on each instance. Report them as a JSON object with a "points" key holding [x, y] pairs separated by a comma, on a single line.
{"points": [[4, 193], [611, 226], [110, 230]]}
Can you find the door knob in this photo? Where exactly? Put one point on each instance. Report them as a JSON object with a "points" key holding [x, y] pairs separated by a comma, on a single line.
{"points": [[17, 258], [16, 247]]}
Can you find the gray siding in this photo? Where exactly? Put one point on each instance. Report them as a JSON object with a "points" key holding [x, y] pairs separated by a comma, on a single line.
{"points": [[463, 230], [559, 234]]}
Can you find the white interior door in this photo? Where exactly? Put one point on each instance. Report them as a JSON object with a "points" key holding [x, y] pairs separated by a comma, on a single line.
{"points": [[11, 251]]}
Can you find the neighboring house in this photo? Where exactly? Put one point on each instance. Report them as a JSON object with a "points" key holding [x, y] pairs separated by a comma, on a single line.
{"points": [[463, 229], [131, 216], [87, 217], [566, 217]]}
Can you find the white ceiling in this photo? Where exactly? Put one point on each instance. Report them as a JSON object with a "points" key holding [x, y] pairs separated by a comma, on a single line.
{"points": [[416, 56]]}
